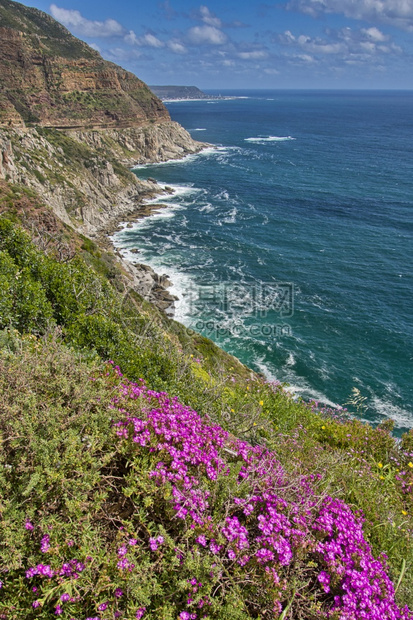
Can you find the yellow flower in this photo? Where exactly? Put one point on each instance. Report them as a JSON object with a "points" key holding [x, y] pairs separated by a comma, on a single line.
{"points": [[255, 424], [410, 464], [232, 410], [248, 387], [380, 465], [404, 512], [261, 402], [323, 427], [381, 477]]}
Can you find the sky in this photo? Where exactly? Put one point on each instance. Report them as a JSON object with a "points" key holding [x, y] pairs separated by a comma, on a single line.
{"points": [[240, 44]]}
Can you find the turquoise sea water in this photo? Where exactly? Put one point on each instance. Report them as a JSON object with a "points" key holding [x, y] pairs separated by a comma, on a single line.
{"points": [[291, 243]]}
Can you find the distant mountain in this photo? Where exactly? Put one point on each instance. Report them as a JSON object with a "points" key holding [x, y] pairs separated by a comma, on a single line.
{"points": [[179, 92], [49, 77]]}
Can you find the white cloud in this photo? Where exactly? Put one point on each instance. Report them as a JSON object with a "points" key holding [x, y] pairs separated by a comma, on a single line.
{"points": [[73, 19], [177, 47], [287, 37], [207, 34], [346, 42], [209, 18], [147, 40], [306, 58], [254, 55], [271, 71], [151, 41], [320, 46], [313, 45], [374, 34], [119, 54], [398, 13], [131, 38]]}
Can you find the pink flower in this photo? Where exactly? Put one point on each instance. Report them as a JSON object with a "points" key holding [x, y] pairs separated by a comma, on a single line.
{"points": [[45, 544]]}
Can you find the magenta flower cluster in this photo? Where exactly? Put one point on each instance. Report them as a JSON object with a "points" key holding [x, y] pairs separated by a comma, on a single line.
{"points": [[269, 522], [265, 524]]}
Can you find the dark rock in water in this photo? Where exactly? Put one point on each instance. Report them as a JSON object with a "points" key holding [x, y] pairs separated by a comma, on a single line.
{"points": [[164, 281], [151, 180], [134, 251], [143, 267]]}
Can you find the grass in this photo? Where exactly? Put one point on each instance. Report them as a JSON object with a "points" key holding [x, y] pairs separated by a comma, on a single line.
{"points": [[70, 318], [75, 488]]}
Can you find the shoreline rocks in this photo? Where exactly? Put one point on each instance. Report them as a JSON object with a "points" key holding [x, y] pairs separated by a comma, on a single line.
{"points": [[88, 189], [150, 285]]}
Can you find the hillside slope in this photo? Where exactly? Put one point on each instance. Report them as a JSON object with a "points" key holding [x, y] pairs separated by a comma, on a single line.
{"points": [[50, 77], [195, 489], [72, 123]]}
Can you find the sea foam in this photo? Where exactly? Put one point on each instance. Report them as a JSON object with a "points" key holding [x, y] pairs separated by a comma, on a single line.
{"points": [[260, 139]]}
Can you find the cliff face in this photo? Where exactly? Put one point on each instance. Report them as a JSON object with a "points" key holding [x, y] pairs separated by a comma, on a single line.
{"points": [[70, 122], [138, 145], [79, 174], [49, 77]]}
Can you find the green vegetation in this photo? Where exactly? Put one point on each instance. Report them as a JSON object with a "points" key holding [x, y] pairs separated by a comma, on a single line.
{"points": [[34, 22], [85, 491]]}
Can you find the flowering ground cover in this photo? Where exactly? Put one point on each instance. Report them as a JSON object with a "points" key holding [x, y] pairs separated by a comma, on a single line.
{"points": [[140, 508], [194, 488]]}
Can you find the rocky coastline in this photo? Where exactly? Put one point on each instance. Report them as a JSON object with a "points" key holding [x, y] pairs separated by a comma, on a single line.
{"points": [[91, 187], [144, 280], [72, 125]]}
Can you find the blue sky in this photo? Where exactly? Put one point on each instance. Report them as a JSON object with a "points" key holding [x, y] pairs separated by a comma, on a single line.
{"points": [[240, 44]]}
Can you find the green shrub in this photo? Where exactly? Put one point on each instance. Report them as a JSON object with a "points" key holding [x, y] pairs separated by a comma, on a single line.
{"points": [[365, 466], [23, 303]]}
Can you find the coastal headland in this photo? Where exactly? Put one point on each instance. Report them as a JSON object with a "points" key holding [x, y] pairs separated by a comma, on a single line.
{"points": [[144, 471]]}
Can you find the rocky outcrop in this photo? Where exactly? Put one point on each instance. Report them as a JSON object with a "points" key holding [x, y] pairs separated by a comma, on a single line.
{"points": [[140, 145], [79, 174], [150, 285]]}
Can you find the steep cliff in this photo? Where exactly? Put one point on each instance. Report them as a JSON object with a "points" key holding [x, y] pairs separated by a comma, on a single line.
{"points": [[72, 123], [83, 175], [71, 126], [49, 77]]}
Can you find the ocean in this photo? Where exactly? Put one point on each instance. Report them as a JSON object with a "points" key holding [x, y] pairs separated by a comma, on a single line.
{"points": [[290, 243]]}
